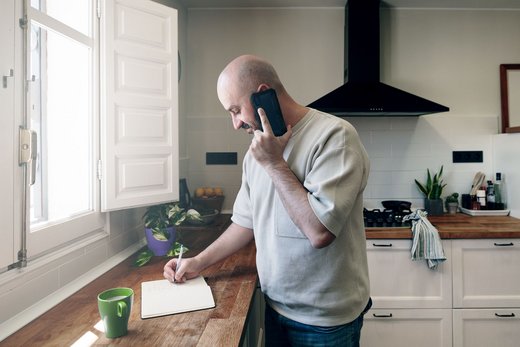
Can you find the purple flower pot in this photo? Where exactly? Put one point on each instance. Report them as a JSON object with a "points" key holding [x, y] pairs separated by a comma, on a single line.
{"points": [[159, 247]]}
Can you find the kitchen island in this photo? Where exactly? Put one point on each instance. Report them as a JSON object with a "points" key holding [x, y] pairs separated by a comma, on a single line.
{"points": [[232, 281]]}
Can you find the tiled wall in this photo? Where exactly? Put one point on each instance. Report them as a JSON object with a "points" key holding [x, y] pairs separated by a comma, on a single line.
{"points": [[400, 150], [306, 46]]}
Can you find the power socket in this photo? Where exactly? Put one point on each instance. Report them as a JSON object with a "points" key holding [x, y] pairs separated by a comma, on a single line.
{"points": [[468, 156], [221, 158]]}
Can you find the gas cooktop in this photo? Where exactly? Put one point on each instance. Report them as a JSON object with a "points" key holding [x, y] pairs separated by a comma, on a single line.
{"points": [[386, 218]]}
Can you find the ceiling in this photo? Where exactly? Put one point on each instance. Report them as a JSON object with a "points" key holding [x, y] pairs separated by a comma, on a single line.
{"points": [[496, 4]]}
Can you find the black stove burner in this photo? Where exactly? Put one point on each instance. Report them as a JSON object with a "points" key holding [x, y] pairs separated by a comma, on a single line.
{"points": [[386, 219]]}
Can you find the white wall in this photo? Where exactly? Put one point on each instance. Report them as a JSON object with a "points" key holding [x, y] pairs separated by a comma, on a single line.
{"points": [[507, 161], [448, 56]]}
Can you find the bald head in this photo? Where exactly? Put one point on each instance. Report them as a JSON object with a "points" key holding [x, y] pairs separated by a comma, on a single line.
{"points": [[247, 72]]}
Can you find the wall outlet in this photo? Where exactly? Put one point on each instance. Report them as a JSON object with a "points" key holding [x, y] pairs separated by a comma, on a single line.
{"points": [[468, 156], [221, 158]]}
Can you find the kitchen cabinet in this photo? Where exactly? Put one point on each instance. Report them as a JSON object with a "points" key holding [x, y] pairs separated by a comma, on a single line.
{"points": [[486, 273], [486, 327], [254, 333], [486, 292], [472, 299], [411, 302], [398, 282], [407, 327]]}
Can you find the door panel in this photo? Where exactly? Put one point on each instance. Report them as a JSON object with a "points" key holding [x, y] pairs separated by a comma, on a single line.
{"points": [[139, 105]]}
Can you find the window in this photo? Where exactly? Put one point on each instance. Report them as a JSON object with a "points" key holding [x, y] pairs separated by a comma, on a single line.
{"points": [[107, 137], [62, 116], [61, 52]]}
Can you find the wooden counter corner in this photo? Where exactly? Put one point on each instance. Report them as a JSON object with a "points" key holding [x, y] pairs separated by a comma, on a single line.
{"points": [[233, 282]]}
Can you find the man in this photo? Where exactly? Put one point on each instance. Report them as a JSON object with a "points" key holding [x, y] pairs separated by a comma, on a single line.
{"points": [[301, 199]]}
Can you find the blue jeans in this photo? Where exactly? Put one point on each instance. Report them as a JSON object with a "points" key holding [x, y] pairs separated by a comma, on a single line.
{"points": [[281, 331]]}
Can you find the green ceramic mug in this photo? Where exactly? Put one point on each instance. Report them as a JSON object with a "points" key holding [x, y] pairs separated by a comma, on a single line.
{"points": [[114, 307]]}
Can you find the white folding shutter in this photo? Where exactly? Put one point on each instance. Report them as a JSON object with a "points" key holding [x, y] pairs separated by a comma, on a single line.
{"points": [[140, 156]]}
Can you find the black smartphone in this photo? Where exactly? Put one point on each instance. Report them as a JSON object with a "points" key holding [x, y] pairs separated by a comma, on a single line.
{"points": [[268, 100]]}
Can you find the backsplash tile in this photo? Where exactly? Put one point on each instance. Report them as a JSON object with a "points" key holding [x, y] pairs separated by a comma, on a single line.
{"points": [[400, 150]]}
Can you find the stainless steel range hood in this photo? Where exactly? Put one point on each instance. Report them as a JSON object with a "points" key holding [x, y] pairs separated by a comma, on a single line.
{"points": [[363, 94]]}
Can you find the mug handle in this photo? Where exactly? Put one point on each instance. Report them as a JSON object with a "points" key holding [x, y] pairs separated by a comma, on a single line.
{"points": [[121, 308]]}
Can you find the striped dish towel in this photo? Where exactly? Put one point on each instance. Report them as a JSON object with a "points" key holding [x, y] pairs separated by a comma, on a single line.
{"points": [[426, 240]]}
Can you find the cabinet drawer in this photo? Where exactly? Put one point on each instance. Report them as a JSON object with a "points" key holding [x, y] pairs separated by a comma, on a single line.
{"points": [[486, 273], [486, 327], [407, 327], [397, 281]]}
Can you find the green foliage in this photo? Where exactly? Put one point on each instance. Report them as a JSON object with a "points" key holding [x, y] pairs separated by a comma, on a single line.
{"points": [[145, 256], [160, 217], [176, 250], [454, 197], [432, 190]]}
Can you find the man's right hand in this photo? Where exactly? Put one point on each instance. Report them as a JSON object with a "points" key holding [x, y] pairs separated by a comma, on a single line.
{"points": [[188, 270]]}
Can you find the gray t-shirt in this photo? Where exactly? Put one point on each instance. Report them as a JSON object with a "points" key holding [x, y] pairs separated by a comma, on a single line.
{"points": [[328, 286]]}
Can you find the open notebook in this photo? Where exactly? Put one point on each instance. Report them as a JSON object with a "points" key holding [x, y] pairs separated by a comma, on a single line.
{"points": [[161, 297]]}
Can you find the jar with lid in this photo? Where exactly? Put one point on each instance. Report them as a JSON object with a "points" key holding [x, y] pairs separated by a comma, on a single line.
{"points": [[481, 198]]}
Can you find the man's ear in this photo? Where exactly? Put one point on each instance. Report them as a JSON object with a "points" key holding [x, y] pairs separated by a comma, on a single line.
{"points": [[262, 87]]}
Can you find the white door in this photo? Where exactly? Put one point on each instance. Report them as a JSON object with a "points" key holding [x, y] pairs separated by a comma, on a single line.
{"points": [[7, 132], [139, 105]]}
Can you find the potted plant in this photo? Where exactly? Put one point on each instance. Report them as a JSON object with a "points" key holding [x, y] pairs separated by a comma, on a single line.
{"points": [[160, 222], [452, 203], [432, 191]]}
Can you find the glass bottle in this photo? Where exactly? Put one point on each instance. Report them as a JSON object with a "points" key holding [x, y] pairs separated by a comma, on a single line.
{"points": [[490, 195], [500, 200]]}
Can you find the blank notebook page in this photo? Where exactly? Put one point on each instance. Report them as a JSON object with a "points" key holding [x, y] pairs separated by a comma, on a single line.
{"points": [[161, 297]]}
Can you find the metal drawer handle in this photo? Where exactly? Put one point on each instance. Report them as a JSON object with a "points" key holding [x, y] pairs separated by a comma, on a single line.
{"points": [[383, 315], [504, 244], [511, 315], [382, 244]]}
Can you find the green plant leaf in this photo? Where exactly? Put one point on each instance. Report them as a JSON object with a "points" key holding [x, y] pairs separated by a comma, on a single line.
{"points": [[160, 234], [175, 250], [143, 257], [421, 188]]}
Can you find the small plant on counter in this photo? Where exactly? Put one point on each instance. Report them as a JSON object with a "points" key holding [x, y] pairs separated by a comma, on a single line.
{"points": [[452, 203], [160, 222], [159, 218], [453, 198], [432, 190]]}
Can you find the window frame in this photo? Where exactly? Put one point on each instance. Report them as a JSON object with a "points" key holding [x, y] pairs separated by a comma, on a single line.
{"points": [[42, 239]]}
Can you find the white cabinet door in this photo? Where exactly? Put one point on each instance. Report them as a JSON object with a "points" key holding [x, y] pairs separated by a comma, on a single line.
{"points": [[486, 273], [407, 327], [396, 281], [486, 327], [139, 98]]}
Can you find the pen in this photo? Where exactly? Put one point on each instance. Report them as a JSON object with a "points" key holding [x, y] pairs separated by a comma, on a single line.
{"points": [[178, 266]]}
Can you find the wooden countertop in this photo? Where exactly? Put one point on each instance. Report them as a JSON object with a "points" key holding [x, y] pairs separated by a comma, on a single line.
{"points": [[458, 226], [232, 281]]}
